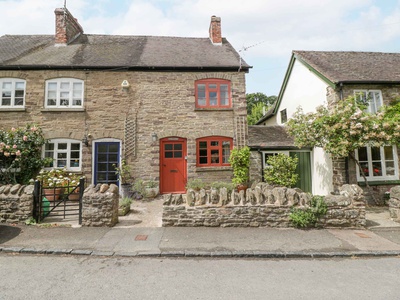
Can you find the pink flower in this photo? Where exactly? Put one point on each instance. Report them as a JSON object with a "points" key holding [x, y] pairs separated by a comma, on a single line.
{"points": [[14, 146], [18, 153], [13, 129], [8, 147], [33, 128], [25, 138], [6, 154]]}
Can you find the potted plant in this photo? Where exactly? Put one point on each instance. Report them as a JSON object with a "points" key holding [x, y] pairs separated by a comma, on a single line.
{"points": [[240, 162], [124, 206], [125, 178]]}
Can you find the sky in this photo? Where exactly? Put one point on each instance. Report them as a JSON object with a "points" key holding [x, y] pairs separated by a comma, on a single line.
{"points": [[264, 32]]}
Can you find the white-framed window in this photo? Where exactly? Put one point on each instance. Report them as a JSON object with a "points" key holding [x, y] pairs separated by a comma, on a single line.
{"points": [[378, 163], [64, 93], [12, 91], [66, 153], [373, 98]]}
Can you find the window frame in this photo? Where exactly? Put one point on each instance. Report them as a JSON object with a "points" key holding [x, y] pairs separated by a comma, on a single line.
{"points": [[59, 91], [210, 148], [207, 83], [13, 90], [382, 162], [377, 106], [68, 151]]}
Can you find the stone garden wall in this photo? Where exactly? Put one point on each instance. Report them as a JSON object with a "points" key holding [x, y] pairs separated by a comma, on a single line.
{"points": [[100, 205], [394, 203], [16, 203], [260, 206]]}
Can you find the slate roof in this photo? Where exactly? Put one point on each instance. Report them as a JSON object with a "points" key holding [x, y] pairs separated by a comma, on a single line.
{"points": [[112, 51], [353, 67], [271, 137]]}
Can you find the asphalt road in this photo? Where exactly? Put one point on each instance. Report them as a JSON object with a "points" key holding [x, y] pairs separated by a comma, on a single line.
{"points": [[77, 277]]}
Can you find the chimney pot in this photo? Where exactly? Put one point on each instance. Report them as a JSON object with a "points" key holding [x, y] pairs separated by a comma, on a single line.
{"points": [[67, 27]]}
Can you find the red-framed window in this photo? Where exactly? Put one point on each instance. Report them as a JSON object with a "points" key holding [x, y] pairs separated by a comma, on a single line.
{"points": [[214, 151], [213, 93]]}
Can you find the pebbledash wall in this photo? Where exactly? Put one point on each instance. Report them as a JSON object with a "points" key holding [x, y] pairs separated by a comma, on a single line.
{"points": [[261, 206], [99, 204], [160, 103]]}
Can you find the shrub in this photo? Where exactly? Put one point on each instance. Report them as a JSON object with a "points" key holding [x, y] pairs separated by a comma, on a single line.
{"points": [[308, 217], [240, 162], [219, 184], [281, 170], [196, 184]]}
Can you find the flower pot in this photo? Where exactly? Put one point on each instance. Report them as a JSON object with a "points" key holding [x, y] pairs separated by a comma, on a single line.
{"points": [[73, 196], [52, 194], [241, 187], [126, 190]]}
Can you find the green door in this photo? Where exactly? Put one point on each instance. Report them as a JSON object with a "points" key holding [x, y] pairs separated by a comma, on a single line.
{"points": [[304, 170]]}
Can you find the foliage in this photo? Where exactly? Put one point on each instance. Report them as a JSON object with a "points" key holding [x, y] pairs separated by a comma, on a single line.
{"points": [[240, 162], [139, 187], [308, 217], [124, 172], [151, 184], [30, 221], [126, 201], [219, 184], [59, 178], [254, 98], [21, 154], [257, 112], [345, 127], [196, 184], [281, 170]]}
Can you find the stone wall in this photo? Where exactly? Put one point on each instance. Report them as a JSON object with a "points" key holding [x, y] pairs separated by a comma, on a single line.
{"points": [[394, 203], [260, 206], [100, 205], [16, 203], [160, 103]]}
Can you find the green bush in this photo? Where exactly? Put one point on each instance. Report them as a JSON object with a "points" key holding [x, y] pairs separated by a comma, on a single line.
{"points": [[219, 184], [281, 170], [196, 184], [126, 201], [308, 217], [240, 162]]}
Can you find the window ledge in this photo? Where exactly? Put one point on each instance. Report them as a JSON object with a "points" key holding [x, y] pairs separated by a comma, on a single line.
{"points": [[213, 169], [3, 109], [213, 109], [377, 182], [63, 109]]}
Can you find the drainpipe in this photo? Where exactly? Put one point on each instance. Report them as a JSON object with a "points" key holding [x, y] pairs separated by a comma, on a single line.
{"points": [[341, 90], [262, 165]]}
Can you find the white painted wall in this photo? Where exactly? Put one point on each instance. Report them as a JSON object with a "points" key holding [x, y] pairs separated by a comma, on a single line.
{"points": [[307, 90]]}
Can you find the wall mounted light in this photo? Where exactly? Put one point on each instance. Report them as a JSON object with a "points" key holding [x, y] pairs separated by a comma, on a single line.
{"points": [[154, 137]]}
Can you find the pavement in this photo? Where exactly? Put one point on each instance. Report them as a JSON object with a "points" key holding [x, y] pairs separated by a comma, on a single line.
{"points": [[140, 235]]}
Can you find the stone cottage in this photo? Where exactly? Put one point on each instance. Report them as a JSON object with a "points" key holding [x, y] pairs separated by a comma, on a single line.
{"points": [[172, 107]]}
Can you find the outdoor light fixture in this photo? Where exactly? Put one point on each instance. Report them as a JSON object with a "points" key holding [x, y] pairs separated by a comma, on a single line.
{"points": [[154, 137], [125, 84], [85, 140]]}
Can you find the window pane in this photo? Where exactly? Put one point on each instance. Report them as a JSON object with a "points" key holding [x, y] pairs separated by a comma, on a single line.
{"points": [[20, 85], [168, 147], [377, 169], [215, 156], [201, 94], [113, 158], [7, 85], [226, 151], [362, 154], [6, 101], [203, 160], [178, 147], [203, 152], [61, 155], [77, 102], [214, 143], [75, 146], [61, 163], [212, 86], [77, 87], [49, 146], [169, 154], [364, 167], [52, 86], [74, 163], [18, 101], [388, 152], [390, 168], [75, 154], [203, 145], [375, 153], [62, 146], [213, 98], [6, 94], [64, 85], [224, 94], [113, 148], [178, 154]]}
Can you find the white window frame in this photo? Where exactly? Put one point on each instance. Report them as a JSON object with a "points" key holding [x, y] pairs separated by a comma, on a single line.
{"points": [[383, 161], [59, 82], [68, 151], [13, 89], [373, 103]]}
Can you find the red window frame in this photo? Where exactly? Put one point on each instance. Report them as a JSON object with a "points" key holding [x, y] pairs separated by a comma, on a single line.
{"points": [[210, 151], [209, 93]]}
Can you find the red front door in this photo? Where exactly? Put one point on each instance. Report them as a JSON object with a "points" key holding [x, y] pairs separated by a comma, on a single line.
{"points": [[173, 165]]}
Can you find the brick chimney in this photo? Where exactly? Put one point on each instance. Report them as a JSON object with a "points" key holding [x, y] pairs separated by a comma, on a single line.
{"points": [[215, 30], [67, 27]]}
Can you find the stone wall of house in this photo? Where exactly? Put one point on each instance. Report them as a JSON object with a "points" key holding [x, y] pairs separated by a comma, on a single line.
{"points": [[160, 103], [255, 170], [100, 205], [16, 203], [261, 206], [394, 203]]}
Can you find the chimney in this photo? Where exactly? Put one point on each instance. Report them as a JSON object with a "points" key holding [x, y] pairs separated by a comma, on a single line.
{"points": [[215, 30], [67, 27]]}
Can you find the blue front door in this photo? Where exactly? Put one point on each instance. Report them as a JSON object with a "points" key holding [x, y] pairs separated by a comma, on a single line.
{"points": [[106, 158]]}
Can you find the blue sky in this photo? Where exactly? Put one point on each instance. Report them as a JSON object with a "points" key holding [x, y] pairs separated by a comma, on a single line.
{"points": [[264, 31]]}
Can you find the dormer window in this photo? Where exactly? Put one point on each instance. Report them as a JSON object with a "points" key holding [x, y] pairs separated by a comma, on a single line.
{"points": [[12, 92], [64, 93], [372, 98]]}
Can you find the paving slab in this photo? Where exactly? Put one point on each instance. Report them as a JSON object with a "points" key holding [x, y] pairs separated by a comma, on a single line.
{"points": [[364, 240]]}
